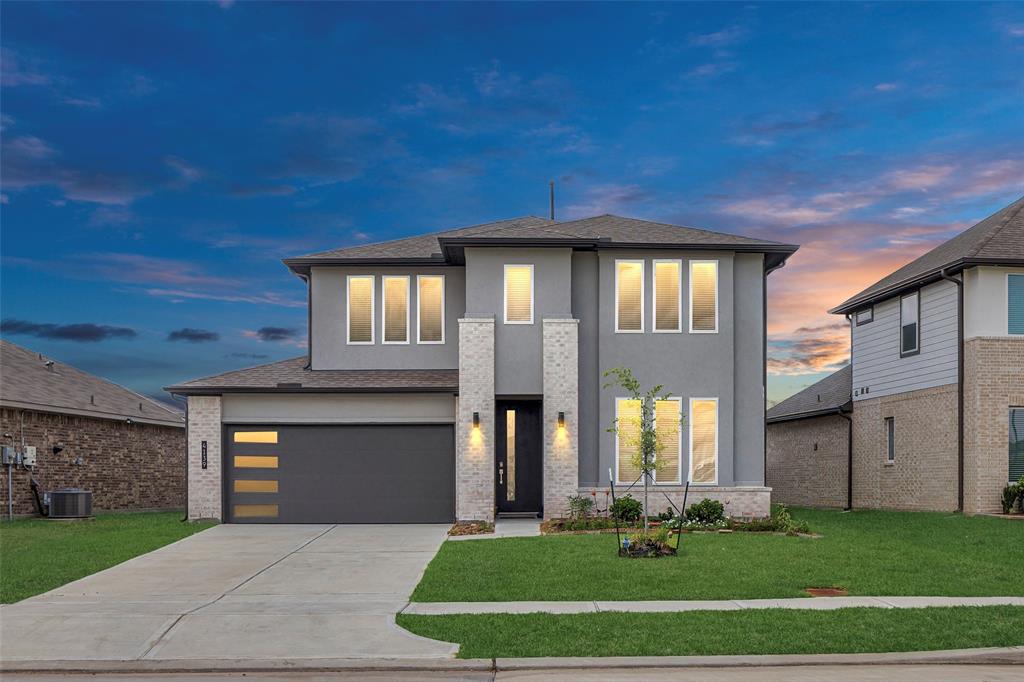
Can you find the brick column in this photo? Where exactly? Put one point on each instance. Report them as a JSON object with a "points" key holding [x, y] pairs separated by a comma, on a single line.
{"points": [[474, 448], [204, 485], [561, 394]]}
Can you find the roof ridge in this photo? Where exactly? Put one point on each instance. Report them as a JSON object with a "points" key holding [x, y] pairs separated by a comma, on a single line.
{"points": [[1010, 215], [678, 227]]}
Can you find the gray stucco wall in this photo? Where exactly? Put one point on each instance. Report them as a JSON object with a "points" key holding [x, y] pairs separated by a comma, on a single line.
{"points": [[748, 339], [585, 302], [333, 408], [330, 350], [518, 348]]}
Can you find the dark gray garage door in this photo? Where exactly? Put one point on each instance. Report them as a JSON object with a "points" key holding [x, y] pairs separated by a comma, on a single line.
{"points": [[340, 474]]}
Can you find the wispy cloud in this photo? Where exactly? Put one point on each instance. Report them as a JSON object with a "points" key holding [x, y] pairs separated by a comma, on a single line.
{"points": [[82, 332], [192, 335], [710, 70], [608, 198], [274, 333], [729, 35], [887, 87]]}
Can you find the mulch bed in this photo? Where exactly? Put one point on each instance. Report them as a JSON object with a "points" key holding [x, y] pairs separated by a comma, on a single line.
{"points": [[827, 591], [471, 528], [647, 550]]}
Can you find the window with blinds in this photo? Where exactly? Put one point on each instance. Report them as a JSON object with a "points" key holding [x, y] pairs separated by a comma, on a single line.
{"points": [[431, 308], [396, 308], [1016, 443], [1015, 304], [704, 296], [360, 308], [704, 440], [667, 420], [627, 422], [629, 296], [519, 294], [667, 301]]}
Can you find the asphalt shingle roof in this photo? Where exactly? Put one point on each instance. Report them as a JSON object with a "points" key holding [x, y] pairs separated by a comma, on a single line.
{"points": [[32, 381], [292, 376], [998, 238], [827, 395]]}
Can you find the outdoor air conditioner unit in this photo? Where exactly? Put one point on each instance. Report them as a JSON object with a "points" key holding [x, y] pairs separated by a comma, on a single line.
{"points": [[70, 503]]}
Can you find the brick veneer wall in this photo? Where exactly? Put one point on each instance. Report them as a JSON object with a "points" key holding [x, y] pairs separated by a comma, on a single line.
{"points": [[474, 448], [924, 475], [204, 485], [561, 394], [741, 502], [993, 382], [126, 466], [802, 475]]}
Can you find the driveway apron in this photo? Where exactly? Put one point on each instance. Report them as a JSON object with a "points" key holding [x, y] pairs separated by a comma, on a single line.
{"points": [[238, 592]]}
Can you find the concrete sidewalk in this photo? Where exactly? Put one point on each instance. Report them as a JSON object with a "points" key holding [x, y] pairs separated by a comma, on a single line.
{"points": [[817, 603]]}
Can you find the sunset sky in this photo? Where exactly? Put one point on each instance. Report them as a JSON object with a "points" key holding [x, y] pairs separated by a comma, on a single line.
{"points": [[159, 159]]}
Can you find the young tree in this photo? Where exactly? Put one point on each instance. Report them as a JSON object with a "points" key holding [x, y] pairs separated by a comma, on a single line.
{"points": [[645, 437]]}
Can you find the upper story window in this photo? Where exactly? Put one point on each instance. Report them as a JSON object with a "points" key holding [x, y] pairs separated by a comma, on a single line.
{"points": [[668, 300], [704, 296], [360, 308], [430, 311], [864, 316], [704, 440], [1015, 304], [518, 294], [396, 308], [910, 324], [629, 296]]}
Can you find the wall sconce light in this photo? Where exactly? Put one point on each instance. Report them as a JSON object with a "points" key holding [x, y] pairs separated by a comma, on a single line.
{"points": [[476, 420], [561, 420]]}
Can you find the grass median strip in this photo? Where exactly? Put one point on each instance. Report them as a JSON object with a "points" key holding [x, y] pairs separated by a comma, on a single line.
{"points": [[866, 552], [40, 554], [710, 633]]}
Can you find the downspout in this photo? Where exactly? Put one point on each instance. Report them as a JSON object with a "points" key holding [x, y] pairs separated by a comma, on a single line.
{"points": [[309, 319], [849, 458], [185, 517], [764, 372], [959, 387]]}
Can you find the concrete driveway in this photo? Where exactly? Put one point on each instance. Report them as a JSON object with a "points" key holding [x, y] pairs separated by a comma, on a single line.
{"points": [[238, 592]]}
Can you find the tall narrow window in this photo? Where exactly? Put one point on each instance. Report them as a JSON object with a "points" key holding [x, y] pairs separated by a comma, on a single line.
{"points": [[1015, 304], [704, 440], [704, 296], [890, 440], [910, 327], [629, 296], [396, 308], [519, 294], [1016, 443], [667, 424], [627, 422], [510, 455], [360, 309], [667, 296], [430, 310]]}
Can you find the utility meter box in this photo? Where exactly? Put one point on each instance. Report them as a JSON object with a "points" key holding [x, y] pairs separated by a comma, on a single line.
{"points": [[29, 457], [7, 455]]}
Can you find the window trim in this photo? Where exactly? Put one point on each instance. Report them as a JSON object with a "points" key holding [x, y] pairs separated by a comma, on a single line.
{"points": [[917, 348], [384, 310], [504, 291], [348, 310], [1008, 276], [679, 479], [654, 295], [643, 301], [856, 319], [890, 440], [718, 418], [689, 272], [419, 336]]}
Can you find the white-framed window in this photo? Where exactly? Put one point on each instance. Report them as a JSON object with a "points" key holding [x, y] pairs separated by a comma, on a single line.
{"points": [[864, 316], [910, 324], [667, 422], [668, 296], [703, 296], [890, 440], [629, 296], [395, 315], [430, 309], [360, 313], [519, 294], [627, 423], [704, 441]]}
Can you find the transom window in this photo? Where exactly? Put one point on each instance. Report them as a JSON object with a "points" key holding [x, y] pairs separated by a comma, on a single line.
{"points": [[1015, 304], [667, 296], [430, 308], [396, 308], [704, 296], [704, 440], [910, 326], [629, 296], [519, 294], [360, 309]]}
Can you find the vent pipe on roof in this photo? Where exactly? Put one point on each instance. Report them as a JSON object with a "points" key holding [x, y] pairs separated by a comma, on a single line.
{"points": [[551, 187]]}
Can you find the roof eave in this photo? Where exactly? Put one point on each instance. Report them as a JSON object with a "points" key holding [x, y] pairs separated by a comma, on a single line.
{"points": [[219, 390], [842, 409], [300, 266], [95, 414]]}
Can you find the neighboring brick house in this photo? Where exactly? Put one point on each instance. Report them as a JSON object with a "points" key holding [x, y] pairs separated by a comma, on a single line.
{"points": [[88, 433], [937, 379], [459, 375]]}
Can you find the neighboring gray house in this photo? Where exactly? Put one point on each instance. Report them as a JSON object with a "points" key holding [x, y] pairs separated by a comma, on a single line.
{"points": [[937, 384], [458, 374]]}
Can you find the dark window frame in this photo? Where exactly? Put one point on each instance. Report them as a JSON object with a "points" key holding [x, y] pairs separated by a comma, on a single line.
{"points": [[858, 321], [917, 347], [890, 440]]}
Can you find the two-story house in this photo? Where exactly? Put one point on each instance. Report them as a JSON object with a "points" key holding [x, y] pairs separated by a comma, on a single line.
{"points": [[459, 375], [931, 414]]}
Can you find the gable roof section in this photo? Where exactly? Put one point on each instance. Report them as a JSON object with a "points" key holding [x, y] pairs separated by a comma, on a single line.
{"points": [[30, 384], [292, 376], [827, 396], [998, 239]]}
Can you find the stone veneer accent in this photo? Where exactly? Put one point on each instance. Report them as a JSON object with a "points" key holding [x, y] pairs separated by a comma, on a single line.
{"points": [[924, 474], [993, 383], [474, 448], [745, 502], [204, 485], [561, 394], [798, 473]]}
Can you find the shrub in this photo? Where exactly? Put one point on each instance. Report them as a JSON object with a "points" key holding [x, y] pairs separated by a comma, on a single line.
{"points": [[626, 509], [666, 515], [707, 512], [580, 507], [1011, 494]]}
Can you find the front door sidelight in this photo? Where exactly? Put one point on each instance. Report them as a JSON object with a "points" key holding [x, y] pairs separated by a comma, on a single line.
{"points": [[518, 457]]}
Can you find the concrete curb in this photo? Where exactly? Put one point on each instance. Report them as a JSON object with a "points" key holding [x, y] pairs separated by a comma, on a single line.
{"points": [[988, 656]]}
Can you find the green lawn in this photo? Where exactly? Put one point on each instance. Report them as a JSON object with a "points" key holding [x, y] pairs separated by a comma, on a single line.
{"points": [[867, 552], [37, 555], [762, 631]]}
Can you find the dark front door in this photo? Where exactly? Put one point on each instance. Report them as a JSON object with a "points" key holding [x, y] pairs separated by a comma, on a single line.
{"points": [[519, 457]]}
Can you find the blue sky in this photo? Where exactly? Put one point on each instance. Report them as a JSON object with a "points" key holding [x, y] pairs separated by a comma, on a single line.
{"points": [[159, 159]]}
